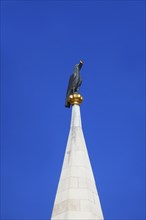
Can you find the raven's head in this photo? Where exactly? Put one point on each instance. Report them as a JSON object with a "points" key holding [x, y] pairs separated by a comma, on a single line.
{"points": [[78, 67], [80, 64]]}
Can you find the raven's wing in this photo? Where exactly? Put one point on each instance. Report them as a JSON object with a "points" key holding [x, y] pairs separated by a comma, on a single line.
{"points": [[71, 82], [80, 82], [69, 89]]}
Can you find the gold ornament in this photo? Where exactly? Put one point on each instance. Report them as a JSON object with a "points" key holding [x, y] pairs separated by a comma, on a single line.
{"points": [[75, 99]]}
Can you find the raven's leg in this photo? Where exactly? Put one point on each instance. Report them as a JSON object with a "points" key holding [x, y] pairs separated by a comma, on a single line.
{"points": [[73, 90], [76, 90]]}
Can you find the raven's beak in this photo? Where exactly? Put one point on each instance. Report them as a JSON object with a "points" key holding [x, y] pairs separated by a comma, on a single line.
{"points": [[80, 64]]}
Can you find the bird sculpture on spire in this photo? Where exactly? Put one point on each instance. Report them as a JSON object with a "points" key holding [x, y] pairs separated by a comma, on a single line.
{"points": [[75, 82]]}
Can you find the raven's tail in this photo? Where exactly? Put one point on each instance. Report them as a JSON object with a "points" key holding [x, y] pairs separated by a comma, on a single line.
{"points": [[67, 104]]}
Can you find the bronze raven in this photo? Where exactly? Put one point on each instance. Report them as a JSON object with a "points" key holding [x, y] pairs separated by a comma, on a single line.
{"points": [[75, 82]]}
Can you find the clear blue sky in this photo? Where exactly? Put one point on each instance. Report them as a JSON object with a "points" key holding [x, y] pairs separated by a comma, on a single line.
{"points": [[41, 43]]}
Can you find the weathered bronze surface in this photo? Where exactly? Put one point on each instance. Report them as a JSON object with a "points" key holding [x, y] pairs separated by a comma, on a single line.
{"points": [[74, 84]]}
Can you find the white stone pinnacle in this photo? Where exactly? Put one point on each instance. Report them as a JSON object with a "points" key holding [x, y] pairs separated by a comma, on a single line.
{"points": [[76, 196]]}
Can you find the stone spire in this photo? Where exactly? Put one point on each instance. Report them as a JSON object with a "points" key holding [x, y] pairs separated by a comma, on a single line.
{"points": [[77, 196]]}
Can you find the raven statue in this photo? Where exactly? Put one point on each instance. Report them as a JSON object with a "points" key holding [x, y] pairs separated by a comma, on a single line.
{"points": [[75, 82]]}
